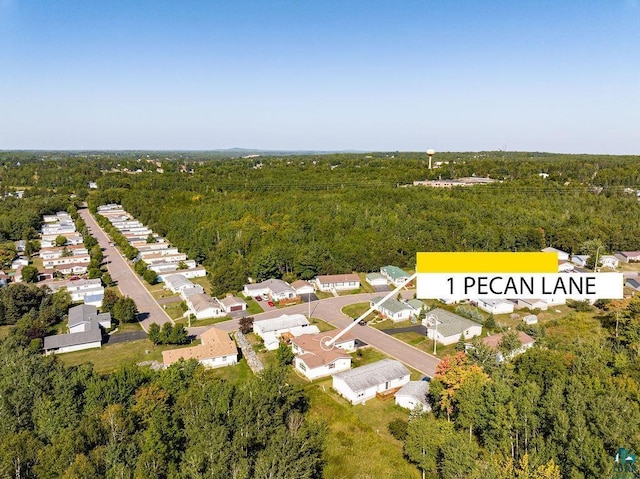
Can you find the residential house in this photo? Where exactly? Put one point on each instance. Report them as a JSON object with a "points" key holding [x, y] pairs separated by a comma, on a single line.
{"points": [[565, 266], [363, 383], [495, 306], [494, 340], [176, 283], [18, 262], [629, 256], [337, 282], [276, 289], [303, 288], [532, 304], [633, 283], [217, 350], [609, 261], [185, 293], [375, 279], [562, 255], [233, 304], [270, 330], [449, 328], [83, 317], [65, 343], [71, 268], [85, 325], [203, 306], [393, 309], [66, 260], [414, 396], [156, 258], [314, 359], [154, 253], [89, 291], [395, 275], [580, 260]]}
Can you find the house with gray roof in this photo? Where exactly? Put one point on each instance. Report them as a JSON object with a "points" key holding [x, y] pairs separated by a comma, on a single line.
{"points": [[85, 317], [393, 309], [361, 384], [449, 328], [375, 279], [395, 275], [276, 289], [414, 395], [270, 330], [65, 343]]}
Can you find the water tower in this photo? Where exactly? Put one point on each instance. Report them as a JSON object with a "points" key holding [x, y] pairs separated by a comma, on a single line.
{"points": [[430, 153]]}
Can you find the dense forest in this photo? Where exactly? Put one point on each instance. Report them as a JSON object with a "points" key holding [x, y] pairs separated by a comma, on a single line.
{"points": [[299, 217], [562, 409], [69, 422]]}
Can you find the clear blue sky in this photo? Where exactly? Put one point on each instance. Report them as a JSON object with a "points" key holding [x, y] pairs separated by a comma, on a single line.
{"points": [[454, 75]]}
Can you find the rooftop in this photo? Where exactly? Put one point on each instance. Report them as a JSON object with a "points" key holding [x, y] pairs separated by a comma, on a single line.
{"points": [[72, 339], [449, 323], [285, 321], [371, 375], [494, 340], [394, 272], [215, 343]]}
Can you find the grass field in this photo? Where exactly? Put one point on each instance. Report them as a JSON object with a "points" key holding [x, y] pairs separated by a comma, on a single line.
{"points": [[358, 445], [355, 310], [110, 357]]}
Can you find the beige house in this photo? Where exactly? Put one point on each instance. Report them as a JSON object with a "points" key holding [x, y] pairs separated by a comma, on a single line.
{"points": [[217, 350]]}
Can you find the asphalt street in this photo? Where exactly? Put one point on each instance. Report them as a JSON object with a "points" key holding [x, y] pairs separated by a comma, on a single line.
{"points": [[129, 284], [330, 310]]}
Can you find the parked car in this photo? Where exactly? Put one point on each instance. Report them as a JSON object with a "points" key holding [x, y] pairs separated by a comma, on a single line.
{"points": [[258, 298], [265, 297], [362, 322], [270, 303]]}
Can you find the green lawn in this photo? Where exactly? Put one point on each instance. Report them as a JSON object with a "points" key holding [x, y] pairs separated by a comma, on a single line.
{"points": [[110, 357], [202, 322], [358, 445], [351, 291], [366, 287], [355, 310], [322, 326], [253, 307], [323, 294]]}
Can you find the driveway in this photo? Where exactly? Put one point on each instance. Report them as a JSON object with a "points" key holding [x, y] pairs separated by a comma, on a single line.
{"points": [[329, 310], [128, 282], [408, 329]]}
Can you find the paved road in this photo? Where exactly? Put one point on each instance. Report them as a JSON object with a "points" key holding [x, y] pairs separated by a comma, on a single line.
{"points": [[329, 310], [128, 282]]}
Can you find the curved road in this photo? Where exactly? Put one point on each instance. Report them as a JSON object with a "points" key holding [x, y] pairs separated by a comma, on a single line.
{"points": [[129, 284], [330, 310]]}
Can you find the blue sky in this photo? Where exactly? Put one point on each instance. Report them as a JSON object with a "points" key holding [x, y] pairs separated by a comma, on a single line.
{"points": [[454, 75]]}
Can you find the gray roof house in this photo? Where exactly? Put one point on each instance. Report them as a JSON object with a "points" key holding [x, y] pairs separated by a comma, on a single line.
{"points": [[393, 309], [361, 384], [413, 395], [65, 343], [448, 328], [82, 318]]}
